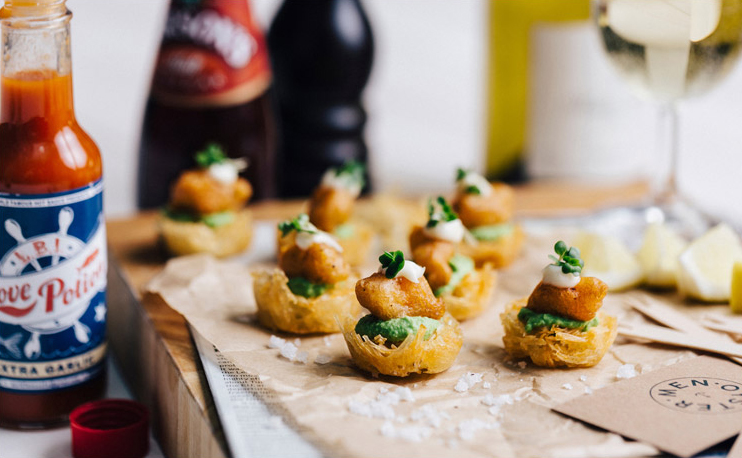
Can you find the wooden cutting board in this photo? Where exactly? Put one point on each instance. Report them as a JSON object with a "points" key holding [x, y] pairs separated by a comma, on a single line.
{"points": [[154, 348]]}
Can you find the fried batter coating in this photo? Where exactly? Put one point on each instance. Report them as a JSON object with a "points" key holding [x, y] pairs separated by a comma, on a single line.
{"points": [[433, 254], [397, 297], [198, 192], [330, 207], [319, 263], [478, 210], [578, 303]]}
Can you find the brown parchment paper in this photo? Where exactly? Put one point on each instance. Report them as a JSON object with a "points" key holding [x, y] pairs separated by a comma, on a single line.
{"points": [[216, 298]]}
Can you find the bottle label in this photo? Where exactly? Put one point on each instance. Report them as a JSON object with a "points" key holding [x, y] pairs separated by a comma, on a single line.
{"points": [[212, 54], [52, 289]]}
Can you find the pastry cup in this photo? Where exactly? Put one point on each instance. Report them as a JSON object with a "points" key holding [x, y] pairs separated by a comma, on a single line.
{"points": [[500, 253], [413, 356], [183, 237], [557, 346], [472, 296], [356, 248], [280, 309]]}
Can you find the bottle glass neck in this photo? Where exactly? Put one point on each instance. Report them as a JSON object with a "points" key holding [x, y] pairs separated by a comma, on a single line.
{"points": [[36, 68]]}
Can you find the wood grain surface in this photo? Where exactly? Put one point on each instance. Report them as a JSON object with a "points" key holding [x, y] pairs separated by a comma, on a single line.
{"points": [[154, 347]]}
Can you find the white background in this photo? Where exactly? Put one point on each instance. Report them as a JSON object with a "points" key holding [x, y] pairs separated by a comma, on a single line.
{"points": [[426, 99]]}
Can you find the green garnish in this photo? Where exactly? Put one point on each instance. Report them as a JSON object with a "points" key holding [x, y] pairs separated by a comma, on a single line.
{"points": [[461, 266], [213, 220], [396, 330], [532, 320], [299, 224], [471, 189], [300, 286], [218, 219], [392, 262], [183, 217], [210, 155], [344, 231], [492, 232], [445, 214], [460, 174], [569, 259], [353, 173]]}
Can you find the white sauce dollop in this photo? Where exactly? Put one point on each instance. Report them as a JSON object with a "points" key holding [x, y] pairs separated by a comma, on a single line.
{"points": [[224, 172], [306, 239], [553, 275], [474, 179], [344, 181], [411, 271], [450, 231]]}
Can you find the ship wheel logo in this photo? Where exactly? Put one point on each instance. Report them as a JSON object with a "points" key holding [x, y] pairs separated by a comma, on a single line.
{"points": [[25, 260]]}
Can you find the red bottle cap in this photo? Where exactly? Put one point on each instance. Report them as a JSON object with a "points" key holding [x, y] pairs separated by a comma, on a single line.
{"points": [[112, 428]]}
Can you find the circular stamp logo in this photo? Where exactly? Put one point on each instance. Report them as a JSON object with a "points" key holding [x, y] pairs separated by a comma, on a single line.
{"points": [[699, 395]]}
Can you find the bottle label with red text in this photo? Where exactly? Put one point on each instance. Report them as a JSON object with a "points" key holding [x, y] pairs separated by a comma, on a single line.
{"points": [[212, 53], [53, 269]]}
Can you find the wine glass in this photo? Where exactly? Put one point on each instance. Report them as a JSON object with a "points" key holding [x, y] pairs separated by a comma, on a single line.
{"points": [[667, 50]]}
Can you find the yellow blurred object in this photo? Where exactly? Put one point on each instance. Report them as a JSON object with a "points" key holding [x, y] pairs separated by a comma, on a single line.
{"points": [[735, 301], [705, 267], [658, 255], [510, 29], [32, 8], [608, 259]]}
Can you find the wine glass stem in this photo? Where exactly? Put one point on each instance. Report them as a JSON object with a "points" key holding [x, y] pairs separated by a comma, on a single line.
{"points": [[666, 191]]}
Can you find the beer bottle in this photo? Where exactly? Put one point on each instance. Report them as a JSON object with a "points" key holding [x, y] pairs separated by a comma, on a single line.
{"points": [[321, 52], [52, 233], [211, 85]]}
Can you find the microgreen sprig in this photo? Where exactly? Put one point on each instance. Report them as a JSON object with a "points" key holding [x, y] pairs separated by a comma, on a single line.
{"points": [[445, 214], [299, 224], [393, 262], [212, 154], [471, 189], [353, 171], [569, 258]]}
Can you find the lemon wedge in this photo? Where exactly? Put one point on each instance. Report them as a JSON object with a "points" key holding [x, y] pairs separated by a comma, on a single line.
{"points": [[705, 267], [658, 255], [735, 301], [608, 259]]}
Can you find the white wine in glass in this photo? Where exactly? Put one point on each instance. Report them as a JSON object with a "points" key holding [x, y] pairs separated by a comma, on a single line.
{"points": [[667, 50]]}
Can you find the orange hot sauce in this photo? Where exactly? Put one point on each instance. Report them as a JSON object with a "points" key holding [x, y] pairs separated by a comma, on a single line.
{"points": [[43, 149], [53, 347]]}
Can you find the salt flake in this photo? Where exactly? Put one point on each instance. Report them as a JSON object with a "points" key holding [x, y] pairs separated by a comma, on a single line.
{"points": [[468, 428], [467, 381], [405, 394], [429, 415], [276, 342], [409, 434], [288, 351], [567, 386], [626, 371]]}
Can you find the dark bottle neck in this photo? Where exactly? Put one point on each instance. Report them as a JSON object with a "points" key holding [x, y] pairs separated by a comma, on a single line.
{"points": [[321, 50]]}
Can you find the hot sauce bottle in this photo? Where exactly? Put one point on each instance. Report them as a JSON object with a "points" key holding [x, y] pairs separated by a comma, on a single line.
{"points": [[211, 85], [52, 234]]}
